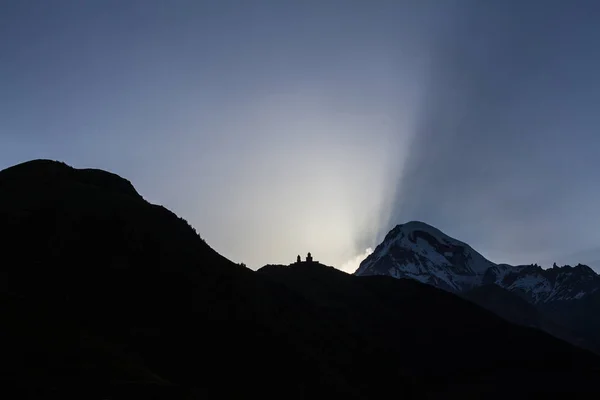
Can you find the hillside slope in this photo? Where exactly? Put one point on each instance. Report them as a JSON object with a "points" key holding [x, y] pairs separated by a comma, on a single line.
{"points": [[86, 249], [104, 295], [448, 345]]}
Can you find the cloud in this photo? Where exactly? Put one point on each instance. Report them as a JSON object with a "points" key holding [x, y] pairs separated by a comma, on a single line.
{"points": [[352, 265], [502, 150]]}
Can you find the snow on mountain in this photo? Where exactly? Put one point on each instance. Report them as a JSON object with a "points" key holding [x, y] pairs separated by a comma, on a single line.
{"points": [[419, 251], [540, 285]]}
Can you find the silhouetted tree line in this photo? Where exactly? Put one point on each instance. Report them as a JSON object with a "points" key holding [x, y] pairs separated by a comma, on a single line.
{"points": [[192, 228]]}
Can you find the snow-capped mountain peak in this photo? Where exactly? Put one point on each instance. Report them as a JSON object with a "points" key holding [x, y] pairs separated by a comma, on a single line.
{"points": [[419, 251]]}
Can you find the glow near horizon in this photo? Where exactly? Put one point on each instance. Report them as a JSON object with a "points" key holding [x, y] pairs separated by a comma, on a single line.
{"points": [[320, 187], [278, 128], [271, 139]]}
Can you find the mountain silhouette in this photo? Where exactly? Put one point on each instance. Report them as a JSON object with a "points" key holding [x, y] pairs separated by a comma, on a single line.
{"points": [[104, 295]]}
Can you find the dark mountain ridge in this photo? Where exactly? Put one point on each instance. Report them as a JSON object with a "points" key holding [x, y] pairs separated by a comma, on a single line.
{"points": [[39, 172], [444, 341], [140, 277], [104, 295]]}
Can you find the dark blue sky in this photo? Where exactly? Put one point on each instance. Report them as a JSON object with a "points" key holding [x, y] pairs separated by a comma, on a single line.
{"points": [[279, 127]]}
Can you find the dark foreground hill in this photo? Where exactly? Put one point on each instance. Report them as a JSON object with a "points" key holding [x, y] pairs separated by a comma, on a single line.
{"points": [[105, 296], [447, 344]]}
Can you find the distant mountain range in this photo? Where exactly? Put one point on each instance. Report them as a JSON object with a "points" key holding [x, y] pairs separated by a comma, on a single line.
{"points": [[561, 300], [106, 296]]}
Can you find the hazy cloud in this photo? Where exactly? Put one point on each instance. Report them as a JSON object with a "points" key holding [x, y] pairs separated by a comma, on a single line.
{"points": [[352, 265]]}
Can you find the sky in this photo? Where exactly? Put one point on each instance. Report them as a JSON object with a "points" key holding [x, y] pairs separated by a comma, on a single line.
{"points": [[281, 127]]}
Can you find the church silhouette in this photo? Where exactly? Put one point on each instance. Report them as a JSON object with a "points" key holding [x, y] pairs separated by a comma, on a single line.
{"points": [[309, 259]]}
